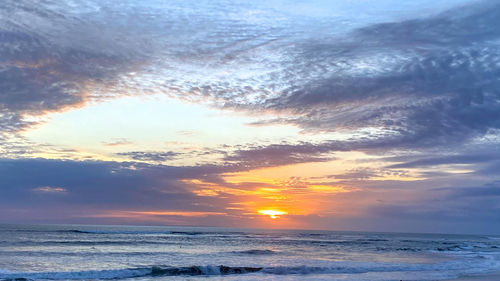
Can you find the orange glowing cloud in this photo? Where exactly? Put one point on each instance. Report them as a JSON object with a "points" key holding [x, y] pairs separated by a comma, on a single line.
{"points": [[135, 214]]}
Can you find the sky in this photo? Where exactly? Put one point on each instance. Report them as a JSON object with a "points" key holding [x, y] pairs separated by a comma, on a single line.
{"points": [[339, 115]]}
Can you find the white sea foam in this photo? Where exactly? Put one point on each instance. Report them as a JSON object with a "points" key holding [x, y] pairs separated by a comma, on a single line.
{"points": [[210, 270], [79, 275], [80, 252]]}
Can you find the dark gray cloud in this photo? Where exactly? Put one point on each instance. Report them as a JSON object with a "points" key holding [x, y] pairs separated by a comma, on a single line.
{"points": [[448, 159], [427, 82], [100, 185], [490, 191], [429, 86], [257, 156], [57, 56], [455, 204], [276, 155], [490, 169], [51, 60], [156, 156], [85, 188], [366, 173]]}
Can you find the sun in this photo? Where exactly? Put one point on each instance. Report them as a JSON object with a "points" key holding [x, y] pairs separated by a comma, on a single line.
{"points": [[273, 214]]}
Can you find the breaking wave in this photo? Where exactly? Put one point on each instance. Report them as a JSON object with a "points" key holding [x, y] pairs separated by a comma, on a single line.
{"points": [[255, 252], [78, 231], [128, 273], [209, 270]]}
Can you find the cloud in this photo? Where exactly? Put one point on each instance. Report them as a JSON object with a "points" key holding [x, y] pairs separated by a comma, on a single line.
{"points": [[155, 156], [277, 154], [89, 182], [366, 173], [448, 159], [51, 60], [453, 204], [489, 191], [105, 192], [258, 156], [424, 82], [417, 91], [118, 142], [49, 189]]}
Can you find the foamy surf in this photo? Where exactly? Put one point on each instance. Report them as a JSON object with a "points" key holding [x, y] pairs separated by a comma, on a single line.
{"points": [[212, 270], [129, 273], [176, 253]]}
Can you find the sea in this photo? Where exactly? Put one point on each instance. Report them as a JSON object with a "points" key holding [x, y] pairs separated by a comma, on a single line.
{"points": [[83, 252]]}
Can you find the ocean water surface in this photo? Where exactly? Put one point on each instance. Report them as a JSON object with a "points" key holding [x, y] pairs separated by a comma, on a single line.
{"points": [[82, 252]]}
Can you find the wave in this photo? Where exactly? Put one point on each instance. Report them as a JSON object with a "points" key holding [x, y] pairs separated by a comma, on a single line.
{"points": [[131, 232], [466, 247], [339, 242], [87, 243], [255, 252], [53, 231], [112, 232], [203, 270], [158, 271], [77, 275], [188, 233], [130, 273], [373, 240], [74, 231], [78, 231]]}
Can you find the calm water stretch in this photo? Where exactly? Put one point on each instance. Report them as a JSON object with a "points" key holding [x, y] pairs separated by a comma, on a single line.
{"points": [[76, 252]]}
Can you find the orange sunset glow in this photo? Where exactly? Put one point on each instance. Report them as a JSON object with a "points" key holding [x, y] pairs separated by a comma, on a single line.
{"points": [[239, 140], [273, 214], [257, 113]]}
